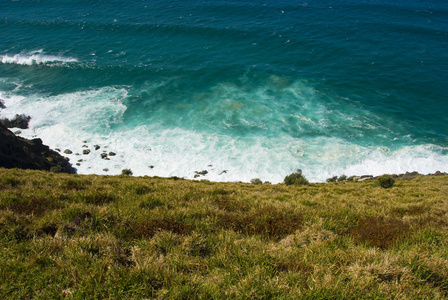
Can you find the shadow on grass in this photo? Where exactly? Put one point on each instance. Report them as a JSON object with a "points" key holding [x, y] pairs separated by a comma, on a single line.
{"points": [[379, 232]]}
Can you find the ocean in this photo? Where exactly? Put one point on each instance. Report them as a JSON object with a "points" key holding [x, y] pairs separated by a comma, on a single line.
{"points": [[239, 89]]}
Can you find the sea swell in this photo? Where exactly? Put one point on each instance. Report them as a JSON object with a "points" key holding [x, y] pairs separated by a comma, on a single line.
{"points": [[239, 89]]}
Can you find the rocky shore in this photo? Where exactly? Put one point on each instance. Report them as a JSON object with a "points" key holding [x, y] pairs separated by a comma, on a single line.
{"points": [[17, 152]]}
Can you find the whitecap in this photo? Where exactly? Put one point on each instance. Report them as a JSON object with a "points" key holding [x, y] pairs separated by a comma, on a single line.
{"points": [[34, 58]]}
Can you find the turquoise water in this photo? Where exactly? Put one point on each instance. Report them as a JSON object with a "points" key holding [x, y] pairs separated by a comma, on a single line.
{"points": [[242, 89]]}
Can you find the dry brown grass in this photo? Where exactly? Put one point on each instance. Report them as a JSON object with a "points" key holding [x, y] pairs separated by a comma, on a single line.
{"points": [[379, 232], [269, 222]]}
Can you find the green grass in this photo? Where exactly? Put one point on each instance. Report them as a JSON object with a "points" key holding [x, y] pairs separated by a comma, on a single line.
{"points": [[169, 238]]}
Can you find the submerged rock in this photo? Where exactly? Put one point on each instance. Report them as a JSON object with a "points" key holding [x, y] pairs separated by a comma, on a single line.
{"points": [[86, 151], [96, 147], [68, 151]]}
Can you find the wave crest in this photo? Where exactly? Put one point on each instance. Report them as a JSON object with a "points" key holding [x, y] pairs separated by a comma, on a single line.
{"points": [[35, 58]]}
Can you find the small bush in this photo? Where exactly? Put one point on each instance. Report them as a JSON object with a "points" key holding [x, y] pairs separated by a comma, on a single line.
{"points": [[386, 181], [126, 172], [342, 178], [332, 179], [296, 178], [256, 181]]}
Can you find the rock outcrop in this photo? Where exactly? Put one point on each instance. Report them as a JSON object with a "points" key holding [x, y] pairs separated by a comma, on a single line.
{"points": [[17, 152], [19, 121]]}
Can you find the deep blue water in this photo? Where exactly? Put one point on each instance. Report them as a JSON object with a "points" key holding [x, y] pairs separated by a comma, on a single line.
{"points": [[253, 88]]}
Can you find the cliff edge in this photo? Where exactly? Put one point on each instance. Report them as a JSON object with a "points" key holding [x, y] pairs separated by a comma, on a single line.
{"points": [[17, 152]]}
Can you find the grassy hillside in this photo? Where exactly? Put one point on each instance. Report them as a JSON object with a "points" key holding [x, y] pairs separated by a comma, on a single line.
{"points": [[177, 239]]}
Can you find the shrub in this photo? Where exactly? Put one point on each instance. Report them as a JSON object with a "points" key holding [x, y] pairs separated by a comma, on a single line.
{"points": [[342, 178], [256, 181], [332, 179], [296, 178], [126, 172], [386, 181]]}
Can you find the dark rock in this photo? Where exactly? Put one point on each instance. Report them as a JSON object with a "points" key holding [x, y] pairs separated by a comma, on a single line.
{"points": [[68, 151], [57, 149], [203, 172], [364, 177], [151, 167], [17, 152], [85, 142], [103, 155], [410, 175], [438, 173], [112, 154], [2, 105], [223, 172], [80, 160], [17, 132], [106, 170], [19, 121], [85, 146], [78, 164], [351, 178], [96, 147], [86, 151], [196, 176]]}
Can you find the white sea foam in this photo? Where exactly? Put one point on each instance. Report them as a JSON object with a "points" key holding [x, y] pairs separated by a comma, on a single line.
{"points": [[34, 58], [97, 117]]}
